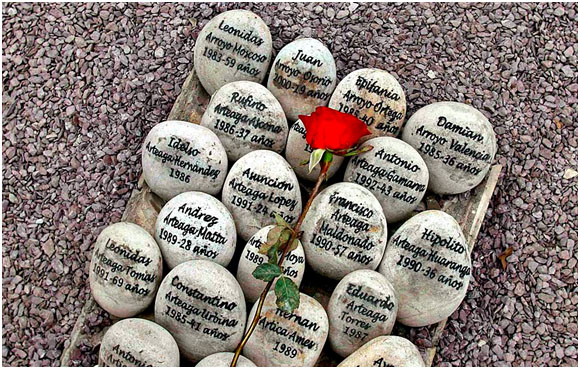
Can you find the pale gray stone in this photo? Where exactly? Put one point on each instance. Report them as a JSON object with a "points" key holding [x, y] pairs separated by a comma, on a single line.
{"points": [[344, 230], [224, 359], [246, 117], [195, 226], [288, 339], [233, 46], [259, 185], [202, 305], [375, 97], [126, 269], [428, 261], [302, 77], [457, 143], [180, 156], [138, 343], [385, 351], [362, 306], [293, 266], [394, 172], [298, 150]]}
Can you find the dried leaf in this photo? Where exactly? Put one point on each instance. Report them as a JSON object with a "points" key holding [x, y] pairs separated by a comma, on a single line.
{"points": [[274, 234], [294, 245], [280, 221], [558, 123], [504, 255]]}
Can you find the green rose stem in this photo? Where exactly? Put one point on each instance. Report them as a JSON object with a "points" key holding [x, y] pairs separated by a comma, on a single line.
{"points": [[324, 166]]}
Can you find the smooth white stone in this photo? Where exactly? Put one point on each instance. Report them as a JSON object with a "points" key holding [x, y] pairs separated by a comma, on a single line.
{"points": [[457, 143], [298, 150], [375, 97], [195, 226], [138, 343], [385, 351], [224, 359], [428, 261], [180, 157], [394, 172], [202, 305], [302, 77], [362, 306], [126, 269], [252, 202], [293, 266], [246, 117], [299, 339], [344, 230], [233, 46]]}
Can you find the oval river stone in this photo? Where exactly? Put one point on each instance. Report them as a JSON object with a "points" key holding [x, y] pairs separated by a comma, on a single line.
{"points": [[385, 351], [394, 172], [138, 343], [288, 339], [375, 97], [224, 359], [233, 46], [429, 263], [298, 150], [246, 117], [202, 305], [195, 226], [126, 269], [362, 306], [258, 185], [457, 143], [344, 230], [181, 156], [293, 266], [302, 77]]}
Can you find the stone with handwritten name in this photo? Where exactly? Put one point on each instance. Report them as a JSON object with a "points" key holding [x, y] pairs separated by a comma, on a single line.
{"points": [[288, 339], [298, 150], [233, 46], [195, 226], [202, 305], [224, 359], [385, 351], [394, 172], [246, 117], [362, 306], [138, 343], [258, 186], [375, 97], [180, 156], [428, 261], [302, 77], [456, 141], [344, 230], [293, 266], [126, 269]]}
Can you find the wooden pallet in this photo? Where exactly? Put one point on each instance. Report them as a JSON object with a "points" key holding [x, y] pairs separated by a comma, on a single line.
{"points": [[468, 209]]}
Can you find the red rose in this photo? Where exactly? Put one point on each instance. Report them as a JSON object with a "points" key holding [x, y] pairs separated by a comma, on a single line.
{"points": [[329, 129]]}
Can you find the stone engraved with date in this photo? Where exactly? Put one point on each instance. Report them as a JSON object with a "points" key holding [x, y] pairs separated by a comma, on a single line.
{"points": [[126, 269], [344, 230], [457, 143], [375, 97], [428, 261], [246, 117], [302, 77], [202, 305], [233, 46], [288, 339], [180, 156], [195, 226], [259, 185]]}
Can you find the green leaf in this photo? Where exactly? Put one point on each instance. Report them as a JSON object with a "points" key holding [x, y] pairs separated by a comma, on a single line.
{"points": [[287, 294], [359, 151], [267, 272], [315, 158], [273, 254], [280, 221]]}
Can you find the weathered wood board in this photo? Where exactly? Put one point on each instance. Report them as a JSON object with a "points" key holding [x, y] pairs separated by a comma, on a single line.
{"points": [[468, 209]]}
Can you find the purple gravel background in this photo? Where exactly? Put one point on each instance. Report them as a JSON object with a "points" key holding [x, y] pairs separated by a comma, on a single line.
{"points": [[83, 84]]}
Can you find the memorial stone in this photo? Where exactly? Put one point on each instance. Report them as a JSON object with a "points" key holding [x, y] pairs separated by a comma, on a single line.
{"points": [[385, 351], [224, 359]]}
